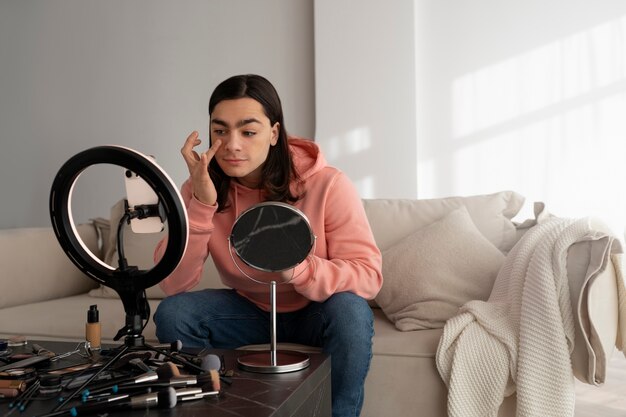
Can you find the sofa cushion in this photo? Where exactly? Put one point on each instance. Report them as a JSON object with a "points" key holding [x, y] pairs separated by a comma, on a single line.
{"points": [[389, 341], [139, 251], [36, 268], [65, 319], [394, 219], [432, 272]]}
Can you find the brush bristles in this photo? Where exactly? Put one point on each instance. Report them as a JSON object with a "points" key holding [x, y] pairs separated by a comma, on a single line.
{"points": [[167, 371], [215, 380], [166, 398], [210, 361]]}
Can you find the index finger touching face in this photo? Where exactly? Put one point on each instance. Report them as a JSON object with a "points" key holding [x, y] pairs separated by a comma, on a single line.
{"points": [[210, 153]]}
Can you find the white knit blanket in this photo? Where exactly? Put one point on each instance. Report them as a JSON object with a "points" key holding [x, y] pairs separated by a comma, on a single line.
{"points": [[522, 337]]}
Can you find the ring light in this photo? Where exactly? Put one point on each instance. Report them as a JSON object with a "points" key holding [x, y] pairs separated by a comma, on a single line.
{"points": [[128, 281], [131, 283]]}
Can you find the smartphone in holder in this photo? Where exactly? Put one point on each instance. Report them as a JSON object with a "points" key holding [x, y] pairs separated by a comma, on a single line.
{"points": [[139, 192]]}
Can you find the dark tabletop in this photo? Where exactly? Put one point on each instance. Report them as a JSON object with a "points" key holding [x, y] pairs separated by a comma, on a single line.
{"points": [[300, 393]]}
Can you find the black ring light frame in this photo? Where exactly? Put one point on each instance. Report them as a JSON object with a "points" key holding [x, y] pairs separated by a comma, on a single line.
{"points": [[129, 284]]}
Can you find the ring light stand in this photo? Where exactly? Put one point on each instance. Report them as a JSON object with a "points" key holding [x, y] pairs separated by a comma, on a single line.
{"points": [[128, 281], [271, 237]]}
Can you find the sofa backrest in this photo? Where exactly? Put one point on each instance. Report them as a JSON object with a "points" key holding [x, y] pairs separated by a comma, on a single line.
{"points": [[393, 219], [390, 220], [35, 268]]}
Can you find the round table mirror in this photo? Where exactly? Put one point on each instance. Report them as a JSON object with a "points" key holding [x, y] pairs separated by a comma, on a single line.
{"points": [[272, 237]]}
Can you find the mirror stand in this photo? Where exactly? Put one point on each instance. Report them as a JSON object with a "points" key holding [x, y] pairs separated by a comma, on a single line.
{"points": [[271, 237], [275, 361]]}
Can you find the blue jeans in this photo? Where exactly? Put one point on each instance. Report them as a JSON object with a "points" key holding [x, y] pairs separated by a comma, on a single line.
{"points": [[342, 326]]}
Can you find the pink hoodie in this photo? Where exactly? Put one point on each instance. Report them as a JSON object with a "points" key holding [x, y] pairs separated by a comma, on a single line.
{"points": [[346, 257]]}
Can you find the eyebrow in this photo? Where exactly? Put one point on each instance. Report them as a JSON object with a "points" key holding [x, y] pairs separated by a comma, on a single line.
{"points": [[238, 124]]}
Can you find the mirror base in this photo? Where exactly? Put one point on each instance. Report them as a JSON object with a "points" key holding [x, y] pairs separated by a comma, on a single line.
{"points": [[261, 362]]}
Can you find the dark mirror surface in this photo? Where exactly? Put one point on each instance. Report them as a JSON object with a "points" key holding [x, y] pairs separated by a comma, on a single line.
{"points": [[272, 237]]}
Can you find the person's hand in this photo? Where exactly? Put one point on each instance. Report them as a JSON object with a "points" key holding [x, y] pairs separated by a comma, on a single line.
{"points": [[198, 164], [282, 277], [286, 276]]}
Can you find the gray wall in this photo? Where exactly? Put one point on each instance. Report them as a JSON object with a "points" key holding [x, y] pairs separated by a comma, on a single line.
{"points": [[81, 73], [365, 93]]}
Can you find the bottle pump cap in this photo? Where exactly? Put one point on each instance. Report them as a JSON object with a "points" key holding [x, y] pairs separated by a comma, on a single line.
{"points": [[93, 315]]}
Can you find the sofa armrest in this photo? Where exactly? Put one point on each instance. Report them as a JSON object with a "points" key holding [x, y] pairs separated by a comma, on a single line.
{"points": [[594, 296], [35, 268]]}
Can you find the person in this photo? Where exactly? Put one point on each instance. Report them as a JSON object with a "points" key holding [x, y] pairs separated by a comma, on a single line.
{"points": [[322, 301]]}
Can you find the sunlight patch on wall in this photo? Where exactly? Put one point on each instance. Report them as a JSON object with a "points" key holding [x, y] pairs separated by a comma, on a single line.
{"points": [[354, 148], [543, 77], [350, 143], [427, 175], [365, 186], [575, 161]]}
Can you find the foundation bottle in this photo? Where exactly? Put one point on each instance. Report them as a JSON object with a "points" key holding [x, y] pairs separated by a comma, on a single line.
{"points": [[92, 328]]}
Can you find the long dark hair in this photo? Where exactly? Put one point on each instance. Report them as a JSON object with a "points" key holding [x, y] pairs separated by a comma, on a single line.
{"points": [[278, 170]]}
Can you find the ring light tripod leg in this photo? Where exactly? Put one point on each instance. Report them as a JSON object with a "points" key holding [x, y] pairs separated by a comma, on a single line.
{"points": [[110, 362]]}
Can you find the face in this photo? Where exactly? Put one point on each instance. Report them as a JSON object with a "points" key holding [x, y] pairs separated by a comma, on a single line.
{"points": [[246, 135]]}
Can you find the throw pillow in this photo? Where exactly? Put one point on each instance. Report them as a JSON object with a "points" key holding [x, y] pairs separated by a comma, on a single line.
{"points": [[435, 270]]}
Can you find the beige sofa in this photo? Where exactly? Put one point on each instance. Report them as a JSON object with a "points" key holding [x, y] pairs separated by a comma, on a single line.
{"points": [[43, 296]]}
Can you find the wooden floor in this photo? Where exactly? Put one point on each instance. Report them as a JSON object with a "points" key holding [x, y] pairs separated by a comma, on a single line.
{"points": [[608, 400]]}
